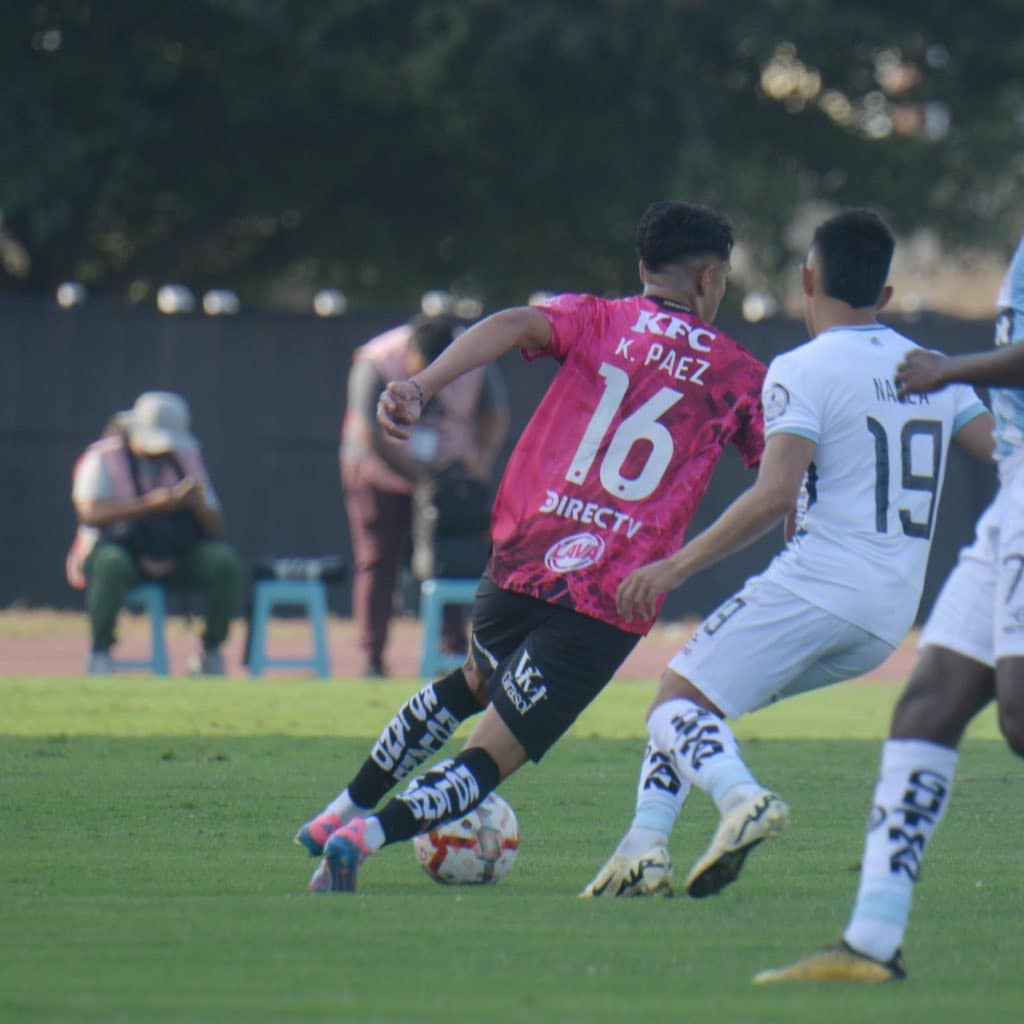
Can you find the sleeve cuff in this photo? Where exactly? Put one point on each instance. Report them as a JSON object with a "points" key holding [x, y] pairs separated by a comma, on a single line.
{"points": [[965, 417], [805, 432]]}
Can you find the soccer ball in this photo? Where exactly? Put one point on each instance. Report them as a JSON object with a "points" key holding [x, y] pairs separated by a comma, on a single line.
{"points": [[475, 849]]}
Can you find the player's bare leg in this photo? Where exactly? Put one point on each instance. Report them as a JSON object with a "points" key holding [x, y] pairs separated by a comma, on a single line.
{"points": [[1010, 699]]}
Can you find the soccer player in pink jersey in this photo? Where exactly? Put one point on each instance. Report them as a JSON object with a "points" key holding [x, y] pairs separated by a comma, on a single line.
{"points": [[603, 480]]}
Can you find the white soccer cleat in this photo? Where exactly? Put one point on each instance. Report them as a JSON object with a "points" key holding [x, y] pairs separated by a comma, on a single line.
{"points": [[650, 874], [763, 816]]}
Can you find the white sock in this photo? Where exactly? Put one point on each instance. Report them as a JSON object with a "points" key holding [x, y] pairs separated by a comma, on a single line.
{"points": [[660, 795], [345, 808], [910, 800], [373, 834], [705, 752]]}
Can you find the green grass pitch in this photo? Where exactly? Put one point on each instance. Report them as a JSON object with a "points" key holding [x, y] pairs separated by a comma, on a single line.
{"points": [[147, 871]]}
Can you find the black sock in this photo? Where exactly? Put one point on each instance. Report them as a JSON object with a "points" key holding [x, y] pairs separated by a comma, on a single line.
{"points": [[420, 728], [450, 789]]}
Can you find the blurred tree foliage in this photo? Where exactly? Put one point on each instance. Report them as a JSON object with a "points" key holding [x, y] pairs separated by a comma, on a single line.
{"points": [[386, 146]]}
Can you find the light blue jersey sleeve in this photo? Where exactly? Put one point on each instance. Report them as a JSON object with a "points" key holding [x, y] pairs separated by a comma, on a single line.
{"points": [[1008, 403], [1011, 300], [968, 406]]}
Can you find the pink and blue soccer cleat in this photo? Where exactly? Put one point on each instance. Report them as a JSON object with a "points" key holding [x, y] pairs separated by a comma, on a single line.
{"points": [[344, 852], [314, 834]]}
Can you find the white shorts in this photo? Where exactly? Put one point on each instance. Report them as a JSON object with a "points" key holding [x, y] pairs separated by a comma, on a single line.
{"points": [[980, 610], [765, 643]]}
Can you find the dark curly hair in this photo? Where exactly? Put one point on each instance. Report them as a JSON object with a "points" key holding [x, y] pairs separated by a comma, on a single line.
{"points": [[672, 232]]}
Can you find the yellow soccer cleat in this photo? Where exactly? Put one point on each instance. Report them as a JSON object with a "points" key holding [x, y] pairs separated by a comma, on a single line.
{"points": [[650, 874], [840, 962], [763, 816]]}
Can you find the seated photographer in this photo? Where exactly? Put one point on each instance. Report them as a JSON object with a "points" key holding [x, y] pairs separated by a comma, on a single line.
{"points": [[147, 512]]}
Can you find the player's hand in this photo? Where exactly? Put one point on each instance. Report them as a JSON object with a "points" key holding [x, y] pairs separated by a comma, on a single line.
{"points": [[920, 373], [399, 407], [637, 596]]}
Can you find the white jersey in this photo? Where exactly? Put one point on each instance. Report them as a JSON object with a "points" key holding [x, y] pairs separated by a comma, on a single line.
{"points": [[872, 492], [1008, 403]]}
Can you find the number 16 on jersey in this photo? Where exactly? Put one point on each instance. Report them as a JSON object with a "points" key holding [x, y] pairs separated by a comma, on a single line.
{"points": [[640, 425]]}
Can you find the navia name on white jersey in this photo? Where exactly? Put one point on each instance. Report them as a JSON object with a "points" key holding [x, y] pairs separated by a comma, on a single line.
{"points": [[667, 359], [885, 391]]}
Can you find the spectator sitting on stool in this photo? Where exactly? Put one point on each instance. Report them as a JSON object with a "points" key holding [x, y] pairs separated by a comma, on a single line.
{"points": [[147, 512], [465, 425]]}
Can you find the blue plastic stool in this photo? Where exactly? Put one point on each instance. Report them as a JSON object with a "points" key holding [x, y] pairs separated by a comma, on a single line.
{"points": [[435, 595], [149, 597], [308, 594]]}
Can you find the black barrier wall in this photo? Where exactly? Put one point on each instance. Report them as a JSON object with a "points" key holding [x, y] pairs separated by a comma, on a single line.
{"points": [[267, 394]]}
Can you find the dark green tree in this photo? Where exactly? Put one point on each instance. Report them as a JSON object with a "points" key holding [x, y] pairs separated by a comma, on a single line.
{"points": [[387, 146]]}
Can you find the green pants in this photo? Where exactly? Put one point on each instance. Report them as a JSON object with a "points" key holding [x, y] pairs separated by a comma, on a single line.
{"points": [[212, 569]]}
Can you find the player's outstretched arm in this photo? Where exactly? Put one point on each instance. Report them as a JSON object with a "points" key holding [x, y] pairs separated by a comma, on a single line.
{"points": [[749, 517], [401, 404], [922, 372]]}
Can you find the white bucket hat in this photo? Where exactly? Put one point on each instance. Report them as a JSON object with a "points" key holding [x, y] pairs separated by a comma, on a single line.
{"points": [[159, 422]]}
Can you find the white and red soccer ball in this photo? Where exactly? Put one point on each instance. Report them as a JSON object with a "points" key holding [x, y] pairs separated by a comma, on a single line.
{"points": [[476, 849]]}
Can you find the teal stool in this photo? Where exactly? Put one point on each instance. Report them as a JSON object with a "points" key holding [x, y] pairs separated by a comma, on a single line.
{"points": [[435, 595], [270, 594], [149, 597]]}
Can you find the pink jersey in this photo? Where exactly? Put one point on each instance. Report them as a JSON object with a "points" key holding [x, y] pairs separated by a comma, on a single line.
{"points": [[617, 456]]}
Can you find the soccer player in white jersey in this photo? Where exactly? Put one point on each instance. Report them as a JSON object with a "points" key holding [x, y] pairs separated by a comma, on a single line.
{"points": [[838, 599], [971, 652]]}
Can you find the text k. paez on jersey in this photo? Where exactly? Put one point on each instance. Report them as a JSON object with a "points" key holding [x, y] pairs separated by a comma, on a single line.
{"points": [[667, 358]]}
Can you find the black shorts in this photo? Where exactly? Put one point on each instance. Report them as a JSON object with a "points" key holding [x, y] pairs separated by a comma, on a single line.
{"points": [[544, 663]]}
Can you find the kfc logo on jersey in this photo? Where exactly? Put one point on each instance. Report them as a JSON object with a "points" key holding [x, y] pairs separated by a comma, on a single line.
{"points": [[667, 326], [574, 553]]}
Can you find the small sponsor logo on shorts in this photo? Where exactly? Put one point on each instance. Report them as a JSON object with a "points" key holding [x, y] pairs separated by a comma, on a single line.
{"points": [[524, 687], [573, 553]]}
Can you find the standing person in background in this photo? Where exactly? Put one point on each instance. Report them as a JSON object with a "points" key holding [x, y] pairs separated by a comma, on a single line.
{"points": [[466, 426], [147, 511]]}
